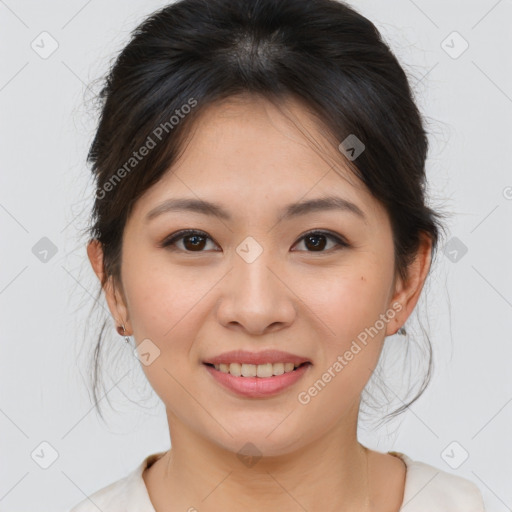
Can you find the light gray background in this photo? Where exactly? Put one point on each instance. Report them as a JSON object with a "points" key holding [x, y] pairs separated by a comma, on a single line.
{"points": [[45, 191]]}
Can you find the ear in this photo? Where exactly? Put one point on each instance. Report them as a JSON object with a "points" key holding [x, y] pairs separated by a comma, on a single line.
{"points": [[115, 300], [408, 292]]}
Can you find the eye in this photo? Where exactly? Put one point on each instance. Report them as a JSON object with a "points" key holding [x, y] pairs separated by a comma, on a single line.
{"points": [[193, 240], [316, 241]]}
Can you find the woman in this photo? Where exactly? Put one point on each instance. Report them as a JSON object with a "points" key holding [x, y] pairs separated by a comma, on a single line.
{"points": [[260, 226]]}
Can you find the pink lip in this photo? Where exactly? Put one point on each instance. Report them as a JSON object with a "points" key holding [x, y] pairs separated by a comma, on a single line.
{"points": [[257, 387], [265, 356]]}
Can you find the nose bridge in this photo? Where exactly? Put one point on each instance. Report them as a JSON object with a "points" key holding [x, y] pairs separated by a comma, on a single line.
{"points": [[251, 273], [255, 297]]}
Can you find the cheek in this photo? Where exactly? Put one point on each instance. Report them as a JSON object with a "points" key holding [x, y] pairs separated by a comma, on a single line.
{"points": [[349, 304], [162, 297], [349, 308], [164, 314], [348, 300], [167, 305]]}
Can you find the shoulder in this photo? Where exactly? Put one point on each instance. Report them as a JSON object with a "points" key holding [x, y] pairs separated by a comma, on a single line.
{"points": [[428, 489], [128, 493], [105, 499]]}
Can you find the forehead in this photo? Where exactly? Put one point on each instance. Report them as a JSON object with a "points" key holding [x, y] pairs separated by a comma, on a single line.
{"points": [[248, 154]]}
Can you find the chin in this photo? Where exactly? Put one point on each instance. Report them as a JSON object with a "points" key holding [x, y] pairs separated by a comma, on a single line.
{"points": [[264, 441]]}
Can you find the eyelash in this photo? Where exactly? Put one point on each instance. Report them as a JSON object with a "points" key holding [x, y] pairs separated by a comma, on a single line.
{"points": [[172, 239]]}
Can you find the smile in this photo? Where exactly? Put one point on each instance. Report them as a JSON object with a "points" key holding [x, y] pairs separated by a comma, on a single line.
{"points": [[256, 370], [257, 381]]}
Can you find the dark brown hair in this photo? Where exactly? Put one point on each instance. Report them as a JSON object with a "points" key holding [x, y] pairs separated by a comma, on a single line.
{"points": [[193, 53]]}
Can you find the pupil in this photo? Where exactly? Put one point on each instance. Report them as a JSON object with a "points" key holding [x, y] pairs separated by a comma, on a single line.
{"points": [[195, 244], [317, 244]]}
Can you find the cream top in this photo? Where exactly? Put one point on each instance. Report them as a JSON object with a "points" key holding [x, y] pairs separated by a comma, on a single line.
{"points": [[427, 489]]}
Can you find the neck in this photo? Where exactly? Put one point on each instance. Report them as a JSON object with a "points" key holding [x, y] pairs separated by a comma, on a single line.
{"points": [[328, 473]]}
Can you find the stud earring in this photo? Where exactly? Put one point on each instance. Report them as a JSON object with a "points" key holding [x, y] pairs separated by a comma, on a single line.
{"points": [[126, 338]]}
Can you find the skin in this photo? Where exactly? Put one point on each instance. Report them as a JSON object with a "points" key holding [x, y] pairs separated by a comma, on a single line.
{"points": [[248, 157]]}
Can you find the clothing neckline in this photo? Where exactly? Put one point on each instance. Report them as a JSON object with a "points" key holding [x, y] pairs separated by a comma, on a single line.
{"points": [[142, 490]]}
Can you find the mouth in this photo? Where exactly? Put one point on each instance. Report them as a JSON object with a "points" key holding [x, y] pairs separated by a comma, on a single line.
{"points": [[262, 371], [256, 381]]}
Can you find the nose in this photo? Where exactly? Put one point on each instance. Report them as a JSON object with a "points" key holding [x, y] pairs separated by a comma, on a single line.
{"points": [[256, 297]]}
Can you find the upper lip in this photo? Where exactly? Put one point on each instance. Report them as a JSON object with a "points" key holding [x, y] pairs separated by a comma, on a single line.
{"points": [[265, 356]]}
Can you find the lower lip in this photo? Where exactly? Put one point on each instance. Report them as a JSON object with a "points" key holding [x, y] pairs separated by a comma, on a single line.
{"points": [[258, 387]]}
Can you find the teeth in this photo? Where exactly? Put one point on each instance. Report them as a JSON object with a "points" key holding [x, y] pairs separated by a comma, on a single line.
{"points": [[256, 370]]}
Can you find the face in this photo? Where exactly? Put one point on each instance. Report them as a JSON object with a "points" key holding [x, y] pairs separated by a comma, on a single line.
{"points": [[316, 283]]}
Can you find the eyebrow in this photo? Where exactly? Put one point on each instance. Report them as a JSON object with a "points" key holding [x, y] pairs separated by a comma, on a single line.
{"points": [[289, 211]]}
